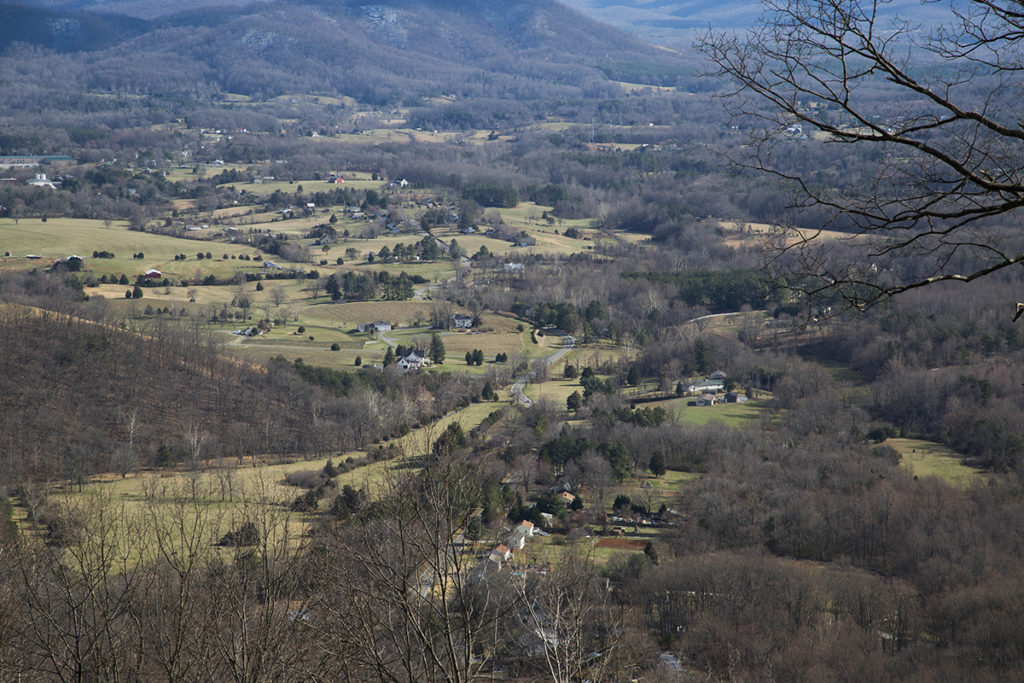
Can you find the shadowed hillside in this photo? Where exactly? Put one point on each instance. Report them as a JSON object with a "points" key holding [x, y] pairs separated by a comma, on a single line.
{"points": [[78, 397], [385, 53]]}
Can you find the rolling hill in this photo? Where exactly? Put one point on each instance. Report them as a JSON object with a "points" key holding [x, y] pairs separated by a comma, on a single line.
{"points": [[384, 53]]}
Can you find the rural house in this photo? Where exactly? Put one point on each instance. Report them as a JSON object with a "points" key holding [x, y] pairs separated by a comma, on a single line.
{"points": [[523, 531], [462, 322], [413, 360], [705, 386], [42, 181], [378, 326], [501, 554]]}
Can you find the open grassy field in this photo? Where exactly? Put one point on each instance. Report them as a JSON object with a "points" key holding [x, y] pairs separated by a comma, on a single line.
{"points": [[490, 343], [596, 354], [376, 136], [654, 491], [312, 353], [327, 322], [740, 232], [728, 414], [346, 316], [555, 391], [204, 505], [929, 459], [61, 237], [353, 181], [602, 550]]}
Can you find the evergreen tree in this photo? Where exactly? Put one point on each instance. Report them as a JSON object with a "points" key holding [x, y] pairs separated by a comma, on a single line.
{"points": [[389, 357], [436, 352], [574, 401], [657, 465], [333, 288]]}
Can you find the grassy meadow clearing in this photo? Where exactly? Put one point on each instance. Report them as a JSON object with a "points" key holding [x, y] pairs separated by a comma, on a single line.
{"points": [[197, 508], [929, 459], [728, 414], [58, 238], [353, 180]]}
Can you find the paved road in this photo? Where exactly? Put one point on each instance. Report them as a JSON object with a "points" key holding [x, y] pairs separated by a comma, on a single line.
{"points": [[569, 343], [712, 316]]}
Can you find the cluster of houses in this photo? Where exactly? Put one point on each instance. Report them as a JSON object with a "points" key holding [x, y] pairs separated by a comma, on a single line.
{"points": [[502, 553], [707, 390]]}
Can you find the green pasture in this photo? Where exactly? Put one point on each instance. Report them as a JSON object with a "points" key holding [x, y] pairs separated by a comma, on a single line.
{"points": [[530, 215], [490, 343], [929, 459], [312, 354], [555, 390], [471, 243], [61, 237], [595, 355], [645, 487], [432, 271], [728, 414], [185, 174], [353, 181]]}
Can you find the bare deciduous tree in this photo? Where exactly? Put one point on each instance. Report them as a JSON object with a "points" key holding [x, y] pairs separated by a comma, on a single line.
{"points": [[938, 110], [278, 294], [566, 619], [401, 601]]}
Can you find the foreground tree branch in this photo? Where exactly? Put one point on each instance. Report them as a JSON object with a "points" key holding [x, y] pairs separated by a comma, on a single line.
{"points": [[933, 111]]}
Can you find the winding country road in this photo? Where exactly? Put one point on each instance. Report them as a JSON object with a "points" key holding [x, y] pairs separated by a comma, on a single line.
{"points": [[569, 343]]}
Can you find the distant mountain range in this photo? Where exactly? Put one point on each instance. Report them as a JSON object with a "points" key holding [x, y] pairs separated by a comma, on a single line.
{"points": [[661, 17], [676, 20], [389, 51]]}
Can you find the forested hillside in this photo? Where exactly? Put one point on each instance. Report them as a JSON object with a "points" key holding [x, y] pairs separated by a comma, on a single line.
{"points": [[380, 54], [81, 397]]}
